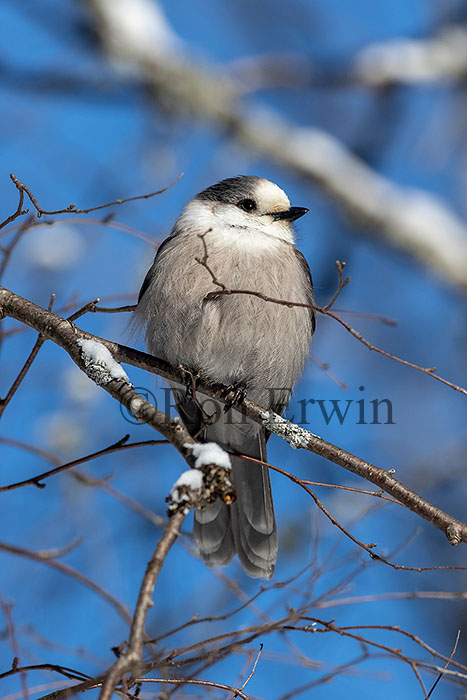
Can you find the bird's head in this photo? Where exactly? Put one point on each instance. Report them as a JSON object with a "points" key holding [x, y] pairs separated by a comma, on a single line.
{"points": [[243, 205]]}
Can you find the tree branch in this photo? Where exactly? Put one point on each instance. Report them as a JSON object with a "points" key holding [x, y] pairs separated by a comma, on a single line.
{"points": [[65, 334], [71, 208], [409, 61], [408, 219], [131, 659]]}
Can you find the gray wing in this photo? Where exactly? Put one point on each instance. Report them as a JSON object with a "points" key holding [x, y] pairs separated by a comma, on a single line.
{"points": [[309, 291], [310, 298], [153, 269]]}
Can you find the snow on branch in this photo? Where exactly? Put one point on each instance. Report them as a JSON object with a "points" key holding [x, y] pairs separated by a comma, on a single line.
{"points": [[208, 479], [209, 453], [408, 61], [64, 333], [99, 364]]}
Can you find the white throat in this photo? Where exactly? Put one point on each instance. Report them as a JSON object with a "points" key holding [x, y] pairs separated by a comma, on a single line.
{"points": [[234, 227]]}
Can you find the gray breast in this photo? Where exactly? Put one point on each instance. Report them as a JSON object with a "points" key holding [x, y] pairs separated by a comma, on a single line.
{"points": [[236, 337]]}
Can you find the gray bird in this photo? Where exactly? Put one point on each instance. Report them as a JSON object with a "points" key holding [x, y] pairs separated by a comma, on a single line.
{"points": [[241, 228]]}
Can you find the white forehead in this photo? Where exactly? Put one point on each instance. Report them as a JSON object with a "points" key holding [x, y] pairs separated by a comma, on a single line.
{"points": [[270, 197]]}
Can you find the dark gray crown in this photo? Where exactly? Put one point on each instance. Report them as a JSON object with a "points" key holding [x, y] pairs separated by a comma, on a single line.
{"points": [[232, 190]]}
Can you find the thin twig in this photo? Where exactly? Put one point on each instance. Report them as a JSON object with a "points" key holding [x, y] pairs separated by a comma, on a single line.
{"points": [[445, 666], [71, 208], [325, 310], [115, 447], [131, 658], [63, 670], [8, 250], [376, 494], [26, 367], [369, 316], [325, 367], [250, 675], [209, 684], [340, 285], [19, 211], [114, 309], [369, 548]]}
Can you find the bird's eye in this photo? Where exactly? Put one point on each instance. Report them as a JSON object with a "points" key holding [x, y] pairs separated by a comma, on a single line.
{"points": [[247, 204]]}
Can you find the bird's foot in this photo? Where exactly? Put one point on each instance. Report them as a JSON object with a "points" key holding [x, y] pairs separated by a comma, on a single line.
{"points": [[233, 395], [191, 379]]}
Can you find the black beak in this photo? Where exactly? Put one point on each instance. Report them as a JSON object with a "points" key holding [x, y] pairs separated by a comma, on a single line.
{"points": [[291, 214]]}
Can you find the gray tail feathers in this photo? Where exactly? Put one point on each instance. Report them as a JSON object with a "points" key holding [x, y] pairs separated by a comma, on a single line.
{"points": [[247, 526], [252, 519]]}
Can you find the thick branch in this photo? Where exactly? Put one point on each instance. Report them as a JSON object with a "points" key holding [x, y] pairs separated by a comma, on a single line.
{"points": [[66, 334]]}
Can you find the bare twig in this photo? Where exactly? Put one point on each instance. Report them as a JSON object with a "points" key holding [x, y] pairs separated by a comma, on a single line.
{"points": [[371, 317], [26, 367], [63, 670], [131, 658], [445, 666], [208, 684], [108, 220], [325, 310], [325, 367], [19, 211], [426, 370], [71, 208], [250, 675], [369, 548], [113, 309], [340, 285], [8, 250], [115, 447]]}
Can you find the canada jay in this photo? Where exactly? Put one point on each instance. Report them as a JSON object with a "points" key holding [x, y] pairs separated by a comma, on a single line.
{"points": [[241, 228]]}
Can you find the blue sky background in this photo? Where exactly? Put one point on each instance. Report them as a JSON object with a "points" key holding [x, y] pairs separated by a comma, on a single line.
{"points": [[93, 147]]}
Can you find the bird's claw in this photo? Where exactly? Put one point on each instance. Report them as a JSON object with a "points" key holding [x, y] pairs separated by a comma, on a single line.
{"points": [[234, 395], [190, 380]]}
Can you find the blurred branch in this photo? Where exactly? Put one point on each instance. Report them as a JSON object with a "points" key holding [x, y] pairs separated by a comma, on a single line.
{"points": [[409, 61], [66, 334], [418, 223], [6, 251], [442, 58], [11, 633], [45, 558], [153, 518]]}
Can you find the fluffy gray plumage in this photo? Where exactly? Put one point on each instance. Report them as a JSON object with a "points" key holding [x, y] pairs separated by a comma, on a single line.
{"points": [[237, 340]]}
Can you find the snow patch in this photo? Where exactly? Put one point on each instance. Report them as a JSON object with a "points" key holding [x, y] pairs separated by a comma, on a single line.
{"points": [[209, 453], [99, 363], [192, 479]]}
